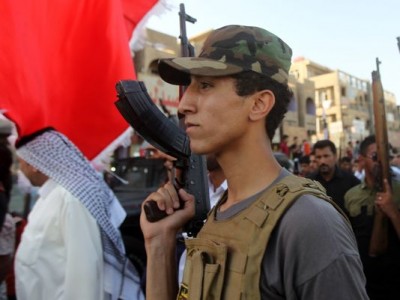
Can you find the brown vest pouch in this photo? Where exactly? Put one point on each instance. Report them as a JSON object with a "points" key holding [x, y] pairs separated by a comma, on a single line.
{"points": [[204, 269]]}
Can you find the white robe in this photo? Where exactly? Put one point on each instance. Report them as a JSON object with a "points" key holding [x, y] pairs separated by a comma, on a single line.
{"points": [[60, 255]]}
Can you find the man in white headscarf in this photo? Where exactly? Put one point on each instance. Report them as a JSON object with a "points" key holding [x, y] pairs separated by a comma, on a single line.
{"points": [[71, 247]]}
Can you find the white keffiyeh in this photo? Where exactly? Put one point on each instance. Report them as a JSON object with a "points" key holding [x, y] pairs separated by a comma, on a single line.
{"points": [[56, 157]]}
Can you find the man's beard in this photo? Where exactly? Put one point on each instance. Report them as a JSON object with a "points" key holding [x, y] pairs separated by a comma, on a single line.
{"points": [[324, 169]]}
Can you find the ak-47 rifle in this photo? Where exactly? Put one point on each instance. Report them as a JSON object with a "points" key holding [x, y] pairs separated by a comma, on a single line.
{"points": [[379, 238], [142, 114]]}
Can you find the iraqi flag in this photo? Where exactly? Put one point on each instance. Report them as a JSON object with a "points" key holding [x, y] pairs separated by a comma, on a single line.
{"points": [[60, 61]]}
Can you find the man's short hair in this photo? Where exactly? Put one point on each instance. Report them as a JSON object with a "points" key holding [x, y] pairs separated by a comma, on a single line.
{"points": [[369, 140], [247, 83], [323, 144]]}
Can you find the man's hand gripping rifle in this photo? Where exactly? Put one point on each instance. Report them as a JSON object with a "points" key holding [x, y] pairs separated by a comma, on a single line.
{"points": [[143, 115]]}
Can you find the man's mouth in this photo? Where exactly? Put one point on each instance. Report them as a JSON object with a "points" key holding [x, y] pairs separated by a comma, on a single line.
{"points": [[324, 167], [189, 124]]}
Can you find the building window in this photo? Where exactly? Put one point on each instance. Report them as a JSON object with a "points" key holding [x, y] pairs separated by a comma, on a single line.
{"points": [[343, 91], [310, 106], [332, 118], [293, 104]]}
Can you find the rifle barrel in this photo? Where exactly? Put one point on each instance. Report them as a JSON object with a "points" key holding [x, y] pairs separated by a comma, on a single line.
{"points": [[380, 125]]}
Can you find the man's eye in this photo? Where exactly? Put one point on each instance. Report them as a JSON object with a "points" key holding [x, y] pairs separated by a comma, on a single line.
{"points": [[205, 85]]}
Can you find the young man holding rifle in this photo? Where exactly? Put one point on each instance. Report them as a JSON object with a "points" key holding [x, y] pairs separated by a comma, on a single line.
{"points": [[364, 204], [272, 235]]}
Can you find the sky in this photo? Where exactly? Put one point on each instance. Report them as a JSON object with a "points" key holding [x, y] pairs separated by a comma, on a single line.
{"points": [[347, 35]]}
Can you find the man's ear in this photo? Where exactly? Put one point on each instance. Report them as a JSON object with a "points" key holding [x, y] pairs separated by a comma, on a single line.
{"points": [[263, 102]]}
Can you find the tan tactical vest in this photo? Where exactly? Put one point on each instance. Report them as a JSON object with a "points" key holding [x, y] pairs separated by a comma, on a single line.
{"points": [[224, 261]]}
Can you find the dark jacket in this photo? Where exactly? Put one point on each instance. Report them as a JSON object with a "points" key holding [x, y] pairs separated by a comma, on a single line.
{"points": [[337, 187]]}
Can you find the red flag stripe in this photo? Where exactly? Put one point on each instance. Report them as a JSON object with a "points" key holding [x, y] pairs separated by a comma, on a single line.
{"points": [[59, 62]]}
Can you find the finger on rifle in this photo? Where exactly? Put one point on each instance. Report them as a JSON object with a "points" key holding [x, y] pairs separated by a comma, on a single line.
{"points": [[163, 199], [188, 203], [185, 196], [173, 195]]}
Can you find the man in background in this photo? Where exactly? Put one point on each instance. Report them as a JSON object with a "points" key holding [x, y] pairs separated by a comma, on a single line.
{"points": [[365, 204], [7, 244], [7, 227], [335, 181], [71, 247], [305, 168], [345, 164], [313, 163]]}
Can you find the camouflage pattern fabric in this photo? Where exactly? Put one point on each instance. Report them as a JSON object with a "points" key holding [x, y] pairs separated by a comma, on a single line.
{"points": [[230, 50]]}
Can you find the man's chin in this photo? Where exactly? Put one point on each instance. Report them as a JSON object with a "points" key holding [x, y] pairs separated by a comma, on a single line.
{"points": [[199, 150]]}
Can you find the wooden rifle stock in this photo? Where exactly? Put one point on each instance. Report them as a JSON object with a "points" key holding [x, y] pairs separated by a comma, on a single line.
{"points": [[379, 237], [380, 127]]}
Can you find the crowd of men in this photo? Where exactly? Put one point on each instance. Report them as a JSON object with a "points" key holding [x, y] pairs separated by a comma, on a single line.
{"points": [[352, 183]]}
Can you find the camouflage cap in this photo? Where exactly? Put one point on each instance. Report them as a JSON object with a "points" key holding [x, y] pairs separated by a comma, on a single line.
{"points": [[230, 50]]}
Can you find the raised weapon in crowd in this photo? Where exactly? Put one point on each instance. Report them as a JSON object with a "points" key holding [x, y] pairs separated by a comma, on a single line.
{"points": [[379, 238], [380, 127], [190, 171], [187, 49]]}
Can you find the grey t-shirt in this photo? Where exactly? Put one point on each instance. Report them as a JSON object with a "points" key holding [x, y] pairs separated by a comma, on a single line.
{"points": [[312, 253]]}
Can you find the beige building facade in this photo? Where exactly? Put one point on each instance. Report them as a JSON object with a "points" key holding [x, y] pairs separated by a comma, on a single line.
{"points": [[344, 110]]}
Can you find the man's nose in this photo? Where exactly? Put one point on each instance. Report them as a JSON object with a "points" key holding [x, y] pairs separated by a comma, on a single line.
{"points": [[186, 103]]}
